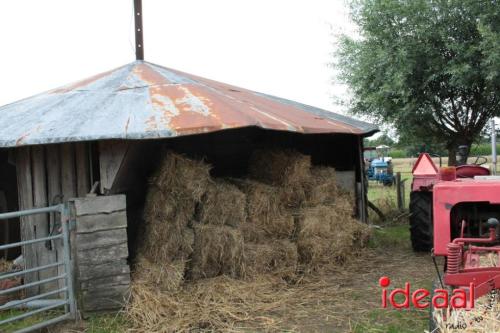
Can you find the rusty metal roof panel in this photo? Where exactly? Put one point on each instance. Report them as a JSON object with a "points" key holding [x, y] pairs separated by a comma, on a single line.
{"points": [[142, 100]]}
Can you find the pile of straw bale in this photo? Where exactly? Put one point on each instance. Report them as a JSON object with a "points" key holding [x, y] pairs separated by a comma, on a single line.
{"points": [[286, 218]]}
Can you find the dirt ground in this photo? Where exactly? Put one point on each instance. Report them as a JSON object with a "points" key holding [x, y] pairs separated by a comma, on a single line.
{"points": [[355, 305], [342, 299]]}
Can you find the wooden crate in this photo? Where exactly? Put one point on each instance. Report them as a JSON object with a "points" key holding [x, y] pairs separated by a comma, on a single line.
{"points": [[100, 252]]}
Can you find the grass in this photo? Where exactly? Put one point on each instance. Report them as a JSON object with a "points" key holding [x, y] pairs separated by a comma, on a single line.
{"points": [[395, 236], [393, 241], [395, 321], [17, 325]]}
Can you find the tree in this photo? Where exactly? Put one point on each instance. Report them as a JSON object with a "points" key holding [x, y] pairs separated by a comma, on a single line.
{"points": [[383, 139], [429, 67]]}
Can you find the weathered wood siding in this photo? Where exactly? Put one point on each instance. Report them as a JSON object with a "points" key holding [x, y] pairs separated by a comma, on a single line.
{"points": [[100, 252], [47, 175], [346, 180], [111, 157]]}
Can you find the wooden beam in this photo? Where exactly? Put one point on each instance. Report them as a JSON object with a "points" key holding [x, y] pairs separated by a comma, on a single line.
{"points": [[54, 196], [24, 185], [82, 169], [111, 156], [68, 171], [41, 221]]}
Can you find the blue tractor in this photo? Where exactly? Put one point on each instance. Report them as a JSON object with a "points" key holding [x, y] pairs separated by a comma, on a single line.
{"points": [[379, 166]]}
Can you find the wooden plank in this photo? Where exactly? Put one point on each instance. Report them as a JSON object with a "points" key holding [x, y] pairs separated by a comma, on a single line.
{"points": [[68, 171], [98, 205], [106, 298], [25, 193], [111, 156], [99, 239], [346, 180], [91, 271], [107, 281], [82, 169], [102, 254], [45, 255], [54, 196], [101, 222]]}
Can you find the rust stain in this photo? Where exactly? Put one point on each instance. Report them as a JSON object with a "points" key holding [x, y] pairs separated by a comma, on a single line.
{"points": [[23, 137], [148, 75], [172, 103]]}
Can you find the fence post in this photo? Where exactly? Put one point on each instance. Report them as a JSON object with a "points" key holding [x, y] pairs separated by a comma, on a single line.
{"points": [[398, 191]]}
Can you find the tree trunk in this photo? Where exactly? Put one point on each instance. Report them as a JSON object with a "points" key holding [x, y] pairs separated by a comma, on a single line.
{"points": [[453, 149]]}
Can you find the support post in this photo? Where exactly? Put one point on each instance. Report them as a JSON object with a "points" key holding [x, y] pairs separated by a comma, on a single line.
{"points": [[398, 191]]}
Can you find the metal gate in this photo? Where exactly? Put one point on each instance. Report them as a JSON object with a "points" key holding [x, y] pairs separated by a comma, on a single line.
{"points": [[58, 303]]}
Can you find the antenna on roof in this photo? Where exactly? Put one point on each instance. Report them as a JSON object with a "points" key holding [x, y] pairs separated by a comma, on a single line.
{"points": [[139, 40]]}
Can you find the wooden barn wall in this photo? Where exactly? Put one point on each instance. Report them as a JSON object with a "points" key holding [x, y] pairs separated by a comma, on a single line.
{"points": [[48, 175]]}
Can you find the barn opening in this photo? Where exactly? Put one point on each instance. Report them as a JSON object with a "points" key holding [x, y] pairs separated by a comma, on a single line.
{"points": [[10, 229]]}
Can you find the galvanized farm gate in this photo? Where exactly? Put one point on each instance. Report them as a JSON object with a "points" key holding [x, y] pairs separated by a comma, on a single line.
{"points": [[39, 300]]}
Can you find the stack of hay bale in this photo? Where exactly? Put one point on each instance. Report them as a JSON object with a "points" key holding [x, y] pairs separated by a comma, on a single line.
{"points": [[166, 243], [286, 216], [324, 230]]}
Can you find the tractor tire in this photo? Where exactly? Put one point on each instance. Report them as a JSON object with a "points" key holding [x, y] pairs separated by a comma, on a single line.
{"points": [[421, 231]]}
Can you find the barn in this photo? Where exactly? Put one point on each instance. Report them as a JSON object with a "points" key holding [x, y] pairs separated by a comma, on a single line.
{"points": [[94, 143]]}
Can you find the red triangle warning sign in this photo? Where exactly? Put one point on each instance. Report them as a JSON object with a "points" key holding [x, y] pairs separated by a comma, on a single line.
{"points": [[424, 166]]}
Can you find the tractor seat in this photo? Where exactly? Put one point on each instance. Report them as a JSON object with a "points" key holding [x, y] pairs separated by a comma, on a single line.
{"points": [[469, 171]]}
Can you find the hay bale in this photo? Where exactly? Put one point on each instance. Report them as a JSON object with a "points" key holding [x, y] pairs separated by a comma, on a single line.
{"points": [[165, 208], [323, 187], [261, 230], [279, 256], [267, 217], [345, 203], [184, 178], [5, 266], [288, 169], [280, 167], [218, 250], [223, 204], [176, 188], [327, 236], [164, 243], [161, 276]]}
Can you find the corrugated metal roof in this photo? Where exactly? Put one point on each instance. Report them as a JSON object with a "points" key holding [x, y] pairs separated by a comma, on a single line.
{"points": [[142, 100]]}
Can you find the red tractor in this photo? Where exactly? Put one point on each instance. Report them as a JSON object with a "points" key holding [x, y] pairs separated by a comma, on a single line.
{"points": [[455, 212]]}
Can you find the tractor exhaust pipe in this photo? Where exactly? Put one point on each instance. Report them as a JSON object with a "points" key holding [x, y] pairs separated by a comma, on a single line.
{"points": [[493, 148]]}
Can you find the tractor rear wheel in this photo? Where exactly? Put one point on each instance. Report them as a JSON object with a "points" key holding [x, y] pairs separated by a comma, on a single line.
{"points": [[421, 221]]}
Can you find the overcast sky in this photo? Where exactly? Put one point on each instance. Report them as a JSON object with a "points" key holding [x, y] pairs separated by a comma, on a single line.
{"points": [[280, 47]]}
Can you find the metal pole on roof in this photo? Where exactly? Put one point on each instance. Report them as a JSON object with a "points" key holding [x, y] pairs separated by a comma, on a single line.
{"points": [[139, 40]]}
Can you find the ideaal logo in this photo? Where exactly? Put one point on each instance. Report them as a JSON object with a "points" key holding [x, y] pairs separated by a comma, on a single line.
{"points": [[419, 298]]}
